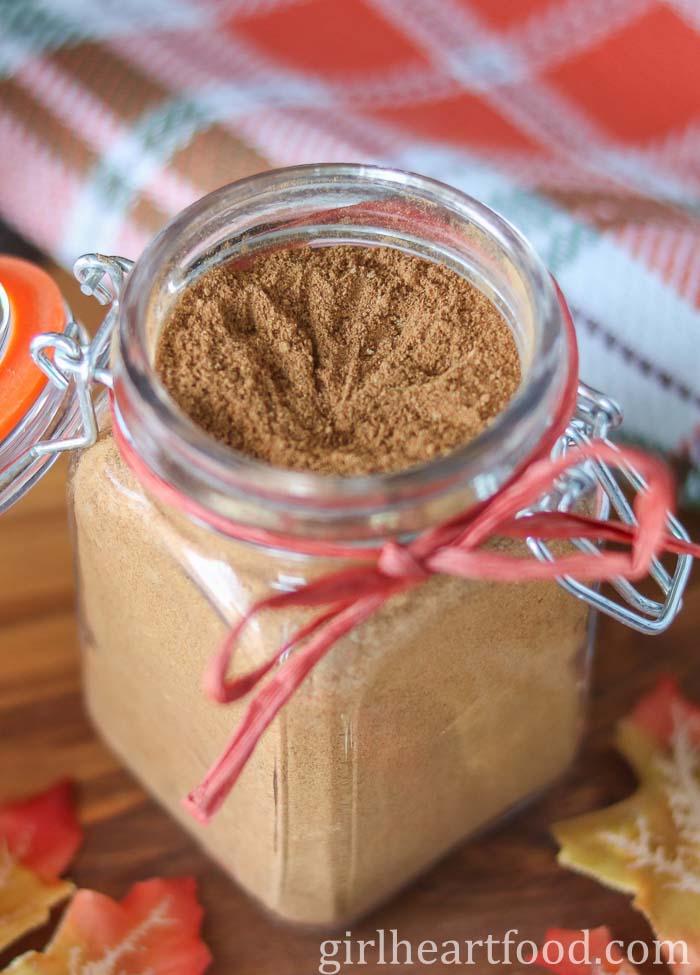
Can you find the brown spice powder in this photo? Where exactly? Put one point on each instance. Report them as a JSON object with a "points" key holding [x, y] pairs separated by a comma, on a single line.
{"points": [[342, 359], [448, 707]]}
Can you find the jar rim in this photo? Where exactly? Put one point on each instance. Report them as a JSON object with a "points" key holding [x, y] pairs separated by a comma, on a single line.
{"points": [[255, 492]]}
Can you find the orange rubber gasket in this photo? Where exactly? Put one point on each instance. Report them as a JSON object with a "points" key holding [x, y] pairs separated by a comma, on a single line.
{"points": [[36, 305]]}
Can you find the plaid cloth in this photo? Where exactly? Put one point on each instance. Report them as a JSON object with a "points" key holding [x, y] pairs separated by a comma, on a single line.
{"points": [[579, 120]]}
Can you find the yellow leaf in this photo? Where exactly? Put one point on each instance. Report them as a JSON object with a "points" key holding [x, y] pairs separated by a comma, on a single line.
{"points": [[25, 901], [649, 845]]}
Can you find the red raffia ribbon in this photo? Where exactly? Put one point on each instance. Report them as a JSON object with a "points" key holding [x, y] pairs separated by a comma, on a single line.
{"points": [[352, 595]]}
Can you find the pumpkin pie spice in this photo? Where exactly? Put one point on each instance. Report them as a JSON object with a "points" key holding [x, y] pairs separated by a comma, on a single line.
{"points": [[340, 360]]}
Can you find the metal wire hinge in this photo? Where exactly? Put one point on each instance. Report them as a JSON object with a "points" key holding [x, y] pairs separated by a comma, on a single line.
{"points": [[77, 362], [596, 415]]}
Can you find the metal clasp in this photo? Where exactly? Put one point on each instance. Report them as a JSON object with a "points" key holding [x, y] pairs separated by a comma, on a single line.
{"points": [[77, 362], [80, 361], [596, 415]]}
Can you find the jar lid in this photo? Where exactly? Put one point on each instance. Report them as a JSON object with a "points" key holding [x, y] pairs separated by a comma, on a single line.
{"points": [[30, 304]]}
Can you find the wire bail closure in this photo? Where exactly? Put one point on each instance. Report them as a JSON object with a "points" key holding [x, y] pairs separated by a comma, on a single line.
{"points": [[596, 416], [78, 363], [81, 363], [77, 359]]}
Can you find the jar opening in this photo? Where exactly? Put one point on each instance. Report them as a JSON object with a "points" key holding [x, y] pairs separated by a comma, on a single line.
{"points": [[340, 204]]}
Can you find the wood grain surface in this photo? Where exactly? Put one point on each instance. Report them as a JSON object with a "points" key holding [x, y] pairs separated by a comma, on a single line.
{"points": [[506, 879]]}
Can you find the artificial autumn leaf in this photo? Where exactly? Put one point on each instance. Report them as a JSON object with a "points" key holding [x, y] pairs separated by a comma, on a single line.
{"points": [[154, 930], [649, 845], [583, 953], [38, 839]]}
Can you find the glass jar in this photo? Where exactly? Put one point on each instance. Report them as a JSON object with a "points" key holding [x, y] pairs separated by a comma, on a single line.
{"points": [[456, 701]]}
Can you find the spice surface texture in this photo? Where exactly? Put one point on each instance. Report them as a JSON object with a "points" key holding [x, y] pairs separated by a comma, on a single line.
{"points": [[341, 359]]}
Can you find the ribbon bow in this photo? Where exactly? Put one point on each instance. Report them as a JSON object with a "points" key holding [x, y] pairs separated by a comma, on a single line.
{"points": [[348, 597]]}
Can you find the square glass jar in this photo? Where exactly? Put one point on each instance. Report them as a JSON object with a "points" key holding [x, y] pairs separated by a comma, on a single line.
{"points": [[453, 704]]}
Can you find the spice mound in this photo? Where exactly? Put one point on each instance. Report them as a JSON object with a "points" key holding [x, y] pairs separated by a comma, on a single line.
{"points": [[340, 359]]}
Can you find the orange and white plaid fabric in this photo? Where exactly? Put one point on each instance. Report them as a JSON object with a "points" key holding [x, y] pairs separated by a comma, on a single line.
{"points": [[579, 120]]}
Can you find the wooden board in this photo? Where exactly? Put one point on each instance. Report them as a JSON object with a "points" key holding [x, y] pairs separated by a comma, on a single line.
{"points": [[507, 879]]}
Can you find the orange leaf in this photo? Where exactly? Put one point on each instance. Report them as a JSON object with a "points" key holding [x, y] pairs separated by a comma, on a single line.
{"points": [[155, 929], [649, 845], [583, 953], [38, 838]]}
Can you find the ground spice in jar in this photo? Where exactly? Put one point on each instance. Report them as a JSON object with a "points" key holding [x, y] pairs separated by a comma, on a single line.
{"points": [[343, 360], [451, 705]]}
